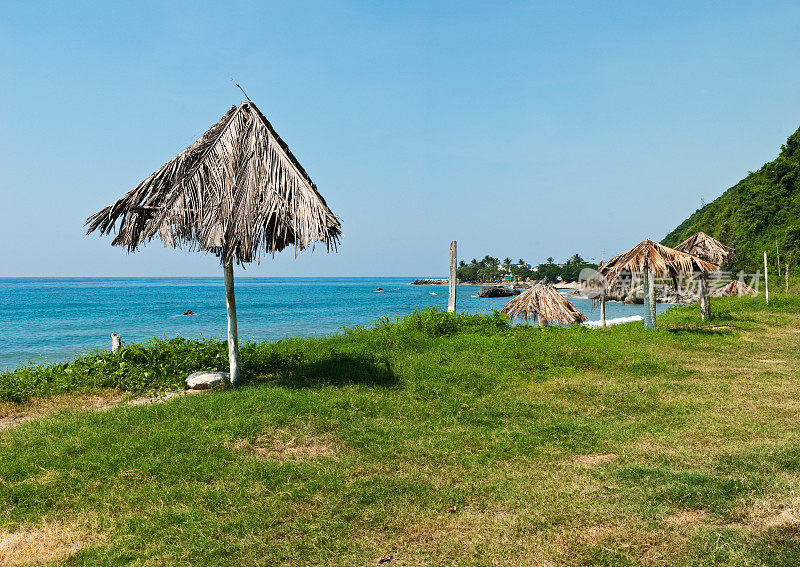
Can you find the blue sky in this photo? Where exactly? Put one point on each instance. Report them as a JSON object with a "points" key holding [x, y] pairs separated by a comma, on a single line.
{"points": [[520, 129]]}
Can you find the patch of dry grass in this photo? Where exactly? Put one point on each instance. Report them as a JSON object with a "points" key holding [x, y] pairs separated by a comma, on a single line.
{"points": [[48, 542], [769, 514], [688, 517], [283, 445], [13, 414], [592, 460]]}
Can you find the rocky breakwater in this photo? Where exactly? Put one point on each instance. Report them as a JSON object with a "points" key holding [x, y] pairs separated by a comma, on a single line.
{"points": [[663, 295], [430, 282], [497, 291]]}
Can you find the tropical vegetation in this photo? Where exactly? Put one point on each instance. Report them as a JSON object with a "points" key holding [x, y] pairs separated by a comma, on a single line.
{"points": [[491, 269], [757, 214]]}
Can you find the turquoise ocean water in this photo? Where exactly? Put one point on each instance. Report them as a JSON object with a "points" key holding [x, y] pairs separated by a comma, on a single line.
{"points": [[53, 319]]}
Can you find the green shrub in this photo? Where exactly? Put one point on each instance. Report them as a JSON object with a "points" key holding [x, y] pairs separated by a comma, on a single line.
{"points": [[436, 322], [157, 363]]}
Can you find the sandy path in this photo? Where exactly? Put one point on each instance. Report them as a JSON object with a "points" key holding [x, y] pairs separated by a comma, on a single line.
{"points": [[13, 415]]}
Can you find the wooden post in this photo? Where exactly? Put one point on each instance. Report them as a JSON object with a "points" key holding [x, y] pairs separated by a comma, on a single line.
{"points": [[603, 309], [233, 333], [787, 279], [116, 342], [649, 299], [766, 280], [704, 296], [541, 321], [602, 293], [451, 296]]}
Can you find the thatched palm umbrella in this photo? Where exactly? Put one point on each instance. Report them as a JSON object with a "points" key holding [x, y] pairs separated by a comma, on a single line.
{"points": [[543, 303], [236, 192], [706, 248], [735, 287], [650, 258]]}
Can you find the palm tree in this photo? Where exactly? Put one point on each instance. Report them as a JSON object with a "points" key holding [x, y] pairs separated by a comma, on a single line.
{"points": [[550, 260], [507, 264]]}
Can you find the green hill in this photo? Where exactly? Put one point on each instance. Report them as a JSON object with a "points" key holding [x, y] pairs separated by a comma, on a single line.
{"points": [[760, 209]]}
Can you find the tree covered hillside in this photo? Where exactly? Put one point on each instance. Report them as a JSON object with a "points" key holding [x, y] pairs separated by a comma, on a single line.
{"points": [[760, 209]]}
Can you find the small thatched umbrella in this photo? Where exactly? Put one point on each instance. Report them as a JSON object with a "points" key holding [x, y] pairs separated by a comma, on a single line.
{"points": [[650, 258], [735, 287], [236, 192], [544, 304], [706, 248]]}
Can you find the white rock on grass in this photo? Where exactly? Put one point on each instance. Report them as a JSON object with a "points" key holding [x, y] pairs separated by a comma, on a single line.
{"points": [[205, 380]]}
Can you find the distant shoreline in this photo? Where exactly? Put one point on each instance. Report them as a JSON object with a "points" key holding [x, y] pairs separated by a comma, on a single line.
{"points": [[445, 281]]}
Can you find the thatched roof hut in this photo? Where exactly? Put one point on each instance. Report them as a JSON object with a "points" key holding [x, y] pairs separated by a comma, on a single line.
{"points": [[706, 248], [236, 192], [659, 259], [543, 303], [735, 287], [651, 259]]}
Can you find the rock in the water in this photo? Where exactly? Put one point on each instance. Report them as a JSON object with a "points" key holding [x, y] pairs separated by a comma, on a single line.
{"points": [[497, 291], [188, 312], [205, 380], [634, 298]]}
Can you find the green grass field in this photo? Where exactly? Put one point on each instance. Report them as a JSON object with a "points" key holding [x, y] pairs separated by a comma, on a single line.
{"points": [[433, 441]]}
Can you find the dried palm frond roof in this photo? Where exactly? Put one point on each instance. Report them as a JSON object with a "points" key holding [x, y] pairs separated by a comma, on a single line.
{"points": [[658, 258], [735, 287], [706, 248], [542, 300], [235, 192]]}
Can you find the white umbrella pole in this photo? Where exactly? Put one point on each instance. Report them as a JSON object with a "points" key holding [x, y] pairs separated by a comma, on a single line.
{"points": [[704, 299], [649, 299], [233, 333], [603, 300], [603, 310]]}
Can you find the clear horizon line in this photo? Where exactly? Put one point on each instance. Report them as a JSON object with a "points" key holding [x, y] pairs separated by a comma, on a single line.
{"points": [[238, 277]]}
